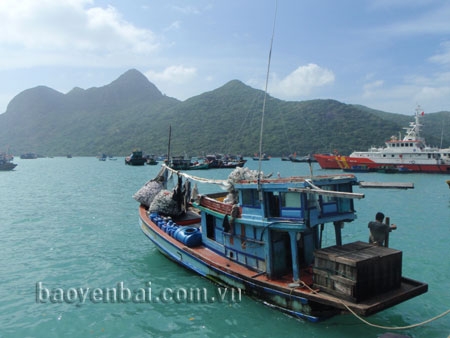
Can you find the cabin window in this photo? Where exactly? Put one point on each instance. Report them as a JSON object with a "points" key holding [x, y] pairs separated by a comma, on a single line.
{"points": [[210, 227], [272, 200], [384, 155], [328, 199], [290, 200], [291, 205], [393, 155], [250, 198], [328, 203], [403, 145], [429, 155], [345, 204]]}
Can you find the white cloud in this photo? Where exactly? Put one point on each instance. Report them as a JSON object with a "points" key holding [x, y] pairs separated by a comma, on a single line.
{"points": [[444, 56], [430, 92], [186, 9], [371, 87], [173, 26], [301, 82], [173, 74], [67, 32]]}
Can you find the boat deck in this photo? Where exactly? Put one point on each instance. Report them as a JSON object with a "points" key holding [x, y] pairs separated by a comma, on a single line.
{"points": [[409, 288]]}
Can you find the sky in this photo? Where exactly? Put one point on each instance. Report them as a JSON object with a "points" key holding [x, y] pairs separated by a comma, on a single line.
{"points": [[386, 54]]}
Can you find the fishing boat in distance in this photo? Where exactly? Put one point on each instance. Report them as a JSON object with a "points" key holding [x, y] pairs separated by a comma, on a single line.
{"points": [[6, 163], [265, 237], [135, 158], [151, 160], [217, 161], [301, 159], [28, 156], [411, 153], [264, 157]]}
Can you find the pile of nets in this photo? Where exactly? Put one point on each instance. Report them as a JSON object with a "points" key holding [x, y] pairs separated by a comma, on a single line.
{"points": [[165, 204], [148, 192], [241, 174], [245, 174]]}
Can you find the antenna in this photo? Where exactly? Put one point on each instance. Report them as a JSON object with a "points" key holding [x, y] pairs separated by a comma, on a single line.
{"points": [[168, 147], [264, 102]]}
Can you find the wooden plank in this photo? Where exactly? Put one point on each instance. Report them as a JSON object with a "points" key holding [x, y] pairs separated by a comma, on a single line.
{"points": [[386, 185], [340, 194]]}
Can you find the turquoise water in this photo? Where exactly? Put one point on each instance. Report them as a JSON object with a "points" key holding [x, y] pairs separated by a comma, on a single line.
{"points": [[72, 223]]}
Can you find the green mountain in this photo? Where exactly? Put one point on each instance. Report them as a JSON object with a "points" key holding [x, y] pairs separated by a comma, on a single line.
{"points": [[132, 113]]}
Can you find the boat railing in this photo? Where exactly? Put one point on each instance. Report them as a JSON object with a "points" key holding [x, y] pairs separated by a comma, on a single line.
{"points": [[213, 202]]}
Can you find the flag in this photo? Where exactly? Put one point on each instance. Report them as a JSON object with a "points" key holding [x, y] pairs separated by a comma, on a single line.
{"points": [[423, 113]]}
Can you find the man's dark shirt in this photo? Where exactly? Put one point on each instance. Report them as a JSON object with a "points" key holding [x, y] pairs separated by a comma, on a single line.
{"points": [[378, 232]]}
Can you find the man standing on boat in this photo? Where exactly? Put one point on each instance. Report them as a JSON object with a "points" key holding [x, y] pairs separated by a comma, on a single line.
{"points": [[379, 230]]}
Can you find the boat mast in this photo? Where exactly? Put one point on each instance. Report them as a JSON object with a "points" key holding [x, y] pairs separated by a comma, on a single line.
{"points": [[264, 103], [168, 146]]}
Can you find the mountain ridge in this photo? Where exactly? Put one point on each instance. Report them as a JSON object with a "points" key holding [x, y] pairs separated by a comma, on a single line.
{"points": [[132, 112]]}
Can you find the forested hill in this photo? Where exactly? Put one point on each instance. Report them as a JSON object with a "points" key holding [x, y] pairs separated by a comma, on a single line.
{"points": [[132, 113]]}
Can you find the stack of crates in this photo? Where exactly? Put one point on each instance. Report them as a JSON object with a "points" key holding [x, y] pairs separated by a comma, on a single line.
{"points": [[357, 271]]}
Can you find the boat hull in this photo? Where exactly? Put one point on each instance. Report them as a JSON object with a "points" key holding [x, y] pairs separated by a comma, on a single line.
{"points": [[347, 162], [7, 166], [300, 303], [177, 252]]}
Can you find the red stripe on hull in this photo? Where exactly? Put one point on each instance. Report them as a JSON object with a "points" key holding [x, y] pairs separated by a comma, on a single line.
{"points": [[346, 162]]}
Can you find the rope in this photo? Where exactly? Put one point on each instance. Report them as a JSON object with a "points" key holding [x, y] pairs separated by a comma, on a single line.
{"points": [[303, 284], [196, 178], [394, 327]]}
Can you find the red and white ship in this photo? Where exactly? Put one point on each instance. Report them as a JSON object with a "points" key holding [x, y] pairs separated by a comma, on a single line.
{"points": [[411, 153]]}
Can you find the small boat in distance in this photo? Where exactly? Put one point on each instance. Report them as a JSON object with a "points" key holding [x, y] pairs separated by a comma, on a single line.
{"points": [[69, 155], [28, 156], [411, 153], [6, 163], [264, 157], [102, 157], [359, 169], [301, 159], [151, 160], [217, 161], [135, 158]]}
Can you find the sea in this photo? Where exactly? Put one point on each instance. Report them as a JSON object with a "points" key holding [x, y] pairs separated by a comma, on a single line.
{"points": [[70, 236]]}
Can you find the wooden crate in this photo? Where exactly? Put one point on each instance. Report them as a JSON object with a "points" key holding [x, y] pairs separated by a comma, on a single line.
{"points": [[357, 271]]}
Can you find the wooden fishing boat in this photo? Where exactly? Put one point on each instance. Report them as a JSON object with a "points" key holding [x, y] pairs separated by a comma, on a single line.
{"points": [[265, 238], [135, 158], [271, 248], [151, 160], [6, 163], [264, 157], [28, 156]]}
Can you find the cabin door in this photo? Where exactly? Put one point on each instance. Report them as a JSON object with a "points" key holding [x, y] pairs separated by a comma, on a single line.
{"points": [[281, 251], [272, 205]]}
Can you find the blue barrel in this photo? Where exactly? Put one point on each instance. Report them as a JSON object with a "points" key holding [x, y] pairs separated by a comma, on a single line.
{"points": [[174, 228], [189, 236]]}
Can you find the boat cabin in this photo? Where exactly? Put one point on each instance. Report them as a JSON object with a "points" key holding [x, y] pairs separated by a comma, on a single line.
{"points": [[277, 224]]}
